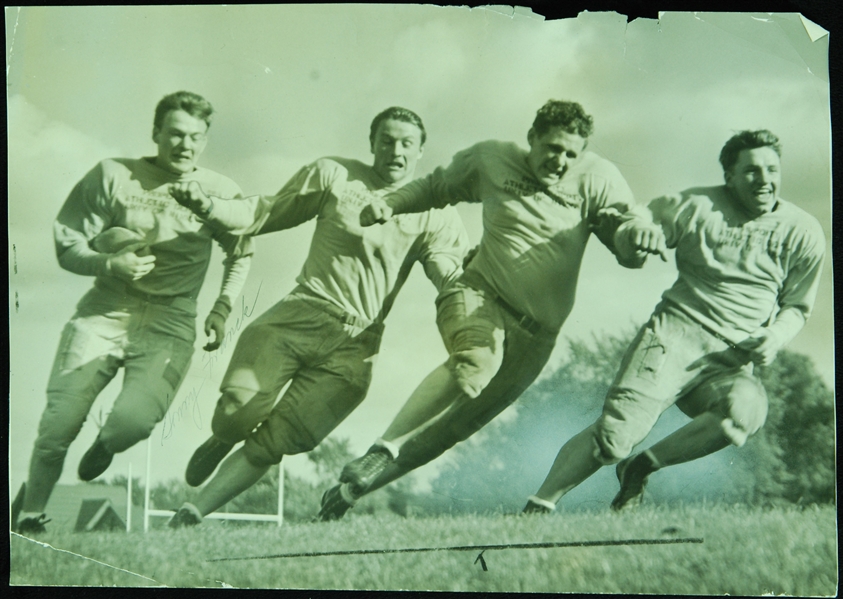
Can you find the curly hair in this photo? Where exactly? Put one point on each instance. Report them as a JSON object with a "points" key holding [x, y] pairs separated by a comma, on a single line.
{"points": [[747, 140], [399, 114], [570, 116], [193, 104]]}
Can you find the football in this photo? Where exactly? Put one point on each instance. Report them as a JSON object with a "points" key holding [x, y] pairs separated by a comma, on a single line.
{"points": [[118, 239]]}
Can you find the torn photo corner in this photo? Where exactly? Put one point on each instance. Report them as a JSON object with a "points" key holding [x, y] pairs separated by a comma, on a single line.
{"points": [[294, 90]]}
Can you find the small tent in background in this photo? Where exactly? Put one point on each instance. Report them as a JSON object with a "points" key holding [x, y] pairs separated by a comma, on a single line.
{"points": [[67, 501], [98, 514]]}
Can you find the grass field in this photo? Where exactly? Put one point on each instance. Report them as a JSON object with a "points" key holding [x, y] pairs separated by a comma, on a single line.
{"points": [[745, 552]]}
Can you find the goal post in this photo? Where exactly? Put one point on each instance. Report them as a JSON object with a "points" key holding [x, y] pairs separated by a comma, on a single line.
{"points": [[149, 512]]}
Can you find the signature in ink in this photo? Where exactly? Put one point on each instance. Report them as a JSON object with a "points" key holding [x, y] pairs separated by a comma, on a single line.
{"points": [[190, 404]]}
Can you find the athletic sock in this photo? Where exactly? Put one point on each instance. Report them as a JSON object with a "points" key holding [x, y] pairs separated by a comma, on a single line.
{"points": [[654, 463], [542, 502], [392, 448]]}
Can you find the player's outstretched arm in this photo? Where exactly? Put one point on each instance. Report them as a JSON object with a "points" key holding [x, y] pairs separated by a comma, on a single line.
{"points": [[376, 213], [191, 195]]}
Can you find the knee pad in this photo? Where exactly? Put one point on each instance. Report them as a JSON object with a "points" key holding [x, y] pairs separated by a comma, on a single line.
{"points": [[233, 418], [473, 369], [747, 410], [281, 434], [608, 448], [123, 429]]}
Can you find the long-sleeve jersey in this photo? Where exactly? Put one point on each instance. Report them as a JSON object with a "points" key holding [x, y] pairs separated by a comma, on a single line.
{"points": [[533, 237], [735, 271], [359, 269], [133, 193]]}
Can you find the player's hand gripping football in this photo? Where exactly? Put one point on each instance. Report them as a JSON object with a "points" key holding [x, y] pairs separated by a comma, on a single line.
{"points": [[128, 266], [377, 212], [190, 195], [215, 330]]}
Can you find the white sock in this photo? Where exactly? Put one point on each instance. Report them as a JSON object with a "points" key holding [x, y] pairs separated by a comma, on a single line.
{"points": [[192, 509], [391, 447], [653, 459], [543, 502]]}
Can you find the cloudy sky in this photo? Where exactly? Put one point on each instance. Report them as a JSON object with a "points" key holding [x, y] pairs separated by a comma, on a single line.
{"points": [[293, 83]]}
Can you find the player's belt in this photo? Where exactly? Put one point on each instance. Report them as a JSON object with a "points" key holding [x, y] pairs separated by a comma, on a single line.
{"points": [[476, 281], [115, 285], [344, 317], [525, 322], [717, 335]]}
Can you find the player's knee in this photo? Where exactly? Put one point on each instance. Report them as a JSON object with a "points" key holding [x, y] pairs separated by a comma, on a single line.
{"points": [[473, 369], [231, 421], [123, 429], [747, 411], [261, 457]]}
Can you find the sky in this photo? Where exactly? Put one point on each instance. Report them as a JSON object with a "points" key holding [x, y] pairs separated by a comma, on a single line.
{"points": [[291, 84]]}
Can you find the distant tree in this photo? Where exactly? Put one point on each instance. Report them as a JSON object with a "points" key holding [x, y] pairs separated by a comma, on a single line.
{"points": [[799, 432], [138, 490]]}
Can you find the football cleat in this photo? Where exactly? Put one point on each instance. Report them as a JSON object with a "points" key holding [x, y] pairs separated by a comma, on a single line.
{"points": [[205, 460], [633, 473], [32, 526], [95, 461], [362, 472], [335, 503]]}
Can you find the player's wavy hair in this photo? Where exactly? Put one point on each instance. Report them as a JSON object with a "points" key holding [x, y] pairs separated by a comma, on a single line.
{"points": [[399, 114], [747, 140], [193, 104], [570, 116]]}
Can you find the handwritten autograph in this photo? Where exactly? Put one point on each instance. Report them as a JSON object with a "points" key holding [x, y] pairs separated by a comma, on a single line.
{"points": [[189, 406]]}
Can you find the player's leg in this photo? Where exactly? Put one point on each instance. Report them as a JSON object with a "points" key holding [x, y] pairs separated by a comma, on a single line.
{"points": [[264, 359], [154, 368], [473, 332], [574, 463], [724, 399], [86, 360], [318, 399], [525, 355], [436, 392], [649, 376], [735, 408]]}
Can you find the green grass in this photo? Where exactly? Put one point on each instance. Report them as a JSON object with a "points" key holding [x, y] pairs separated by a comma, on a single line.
{"points": [[746, 551]]}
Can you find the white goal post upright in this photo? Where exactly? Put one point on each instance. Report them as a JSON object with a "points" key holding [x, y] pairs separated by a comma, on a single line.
{"points": [[129, 500], [148, 511]]}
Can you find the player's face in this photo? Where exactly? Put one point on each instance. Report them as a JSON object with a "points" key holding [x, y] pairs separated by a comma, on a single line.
{"points": [[181, 138], [553, 153], [755, 179], [397, 148]]}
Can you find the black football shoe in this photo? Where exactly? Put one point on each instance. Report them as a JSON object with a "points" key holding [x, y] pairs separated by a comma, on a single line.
{"points": [[205, 460]]}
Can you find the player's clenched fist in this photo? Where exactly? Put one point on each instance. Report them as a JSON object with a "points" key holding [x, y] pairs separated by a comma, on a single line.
{"points": [[650, 240], [129, 266], [377, 212], [190, 195]]}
